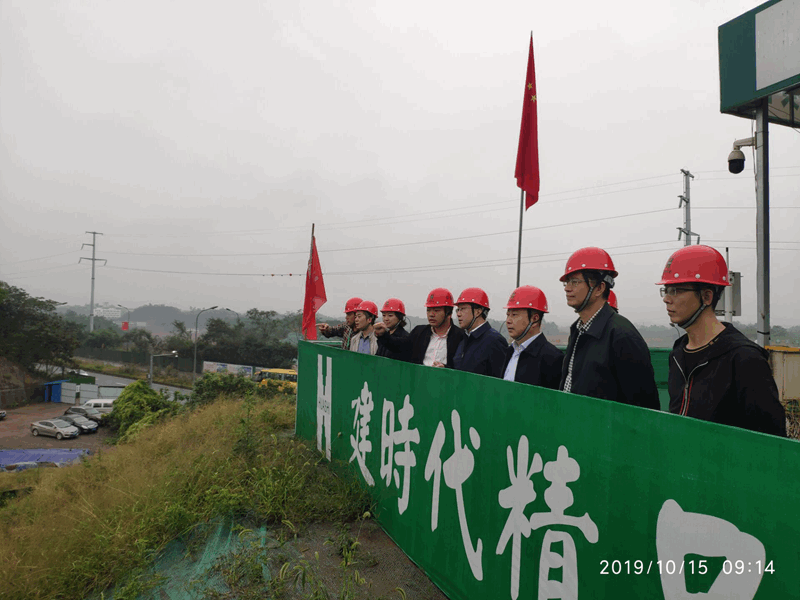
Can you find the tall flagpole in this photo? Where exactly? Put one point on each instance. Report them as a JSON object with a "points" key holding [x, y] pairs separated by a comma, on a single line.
{"points": [[519, 246], [310, 258]]}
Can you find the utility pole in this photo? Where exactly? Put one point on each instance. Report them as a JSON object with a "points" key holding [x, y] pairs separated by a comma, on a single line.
{"points": [[686, 230], [93, 259]]}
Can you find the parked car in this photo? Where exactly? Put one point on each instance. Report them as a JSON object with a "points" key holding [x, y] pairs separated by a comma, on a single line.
{"points": [[2, 415], [55, 427], [83, 424], [86, 411], [104, 405]]}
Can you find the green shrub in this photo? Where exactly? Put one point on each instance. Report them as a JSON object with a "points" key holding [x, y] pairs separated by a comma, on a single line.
{"points": [[138, 407], [213, 385]]}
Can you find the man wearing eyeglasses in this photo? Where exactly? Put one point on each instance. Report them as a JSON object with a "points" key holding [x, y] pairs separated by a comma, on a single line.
{"points": [[606, 355], [715, 373], [482, 344]]}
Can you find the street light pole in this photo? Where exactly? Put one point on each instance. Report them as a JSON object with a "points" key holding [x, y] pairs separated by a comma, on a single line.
{"points": [[174, 354], [196, 324]]}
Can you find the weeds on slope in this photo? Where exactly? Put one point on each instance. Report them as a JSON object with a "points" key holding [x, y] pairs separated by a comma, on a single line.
{"points": [[83, 528]]}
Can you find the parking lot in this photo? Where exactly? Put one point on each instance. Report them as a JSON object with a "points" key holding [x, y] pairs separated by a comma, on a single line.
{"points": [[15, 429]]}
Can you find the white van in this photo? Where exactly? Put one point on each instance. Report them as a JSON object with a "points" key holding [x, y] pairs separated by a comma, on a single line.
{"points": [[103, 405]]}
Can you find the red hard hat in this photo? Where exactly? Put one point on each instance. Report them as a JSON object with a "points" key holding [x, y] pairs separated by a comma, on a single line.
{"points": [[612, 299], [352, 304], [367, 306], [474, 296], [439, 297], [528, 296], [394, 305], [695, 264], [594, 259]]}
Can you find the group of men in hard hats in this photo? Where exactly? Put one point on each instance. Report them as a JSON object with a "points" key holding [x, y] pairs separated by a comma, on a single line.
{"points": [[715, 372]]}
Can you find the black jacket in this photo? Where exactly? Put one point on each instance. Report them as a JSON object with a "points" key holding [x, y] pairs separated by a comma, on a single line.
{"points": [[539, 364], [413, 347], [734, 386], [383, 349], [611, 362], [479, 349]]}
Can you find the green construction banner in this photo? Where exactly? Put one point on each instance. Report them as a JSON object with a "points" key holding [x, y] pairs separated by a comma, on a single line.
{"points": [[502, 490]]}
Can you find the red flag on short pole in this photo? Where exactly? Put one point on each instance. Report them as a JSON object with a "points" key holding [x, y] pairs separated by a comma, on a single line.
{"points": [[124, 326], [315, 292], [527, 172]]}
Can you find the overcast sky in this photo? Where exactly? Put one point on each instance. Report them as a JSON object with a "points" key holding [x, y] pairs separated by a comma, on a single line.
{"points": [[203, 139]]}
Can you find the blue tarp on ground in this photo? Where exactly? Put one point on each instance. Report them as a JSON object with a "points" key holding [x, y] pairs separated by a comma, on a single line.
{"points": [[59, 456]]}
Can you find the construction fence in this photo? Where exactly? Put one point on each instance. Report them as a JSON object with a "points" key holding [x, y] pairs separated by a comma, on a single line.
{"points": [[502, 490]]}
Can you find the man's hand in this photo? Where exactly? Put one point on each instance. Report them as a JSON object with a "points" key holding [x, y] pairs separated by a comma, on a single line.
{"points": [[323, 327], [436, 363], [379, 328]]}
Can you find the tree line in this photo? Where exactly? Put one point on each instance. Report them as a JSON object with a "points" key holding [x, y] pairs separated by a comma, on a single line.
{"points": [[34, 335]]}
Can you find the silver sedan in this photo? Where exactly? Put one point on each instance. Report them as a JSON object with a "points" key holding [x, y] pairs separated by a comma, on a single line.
{"points": [[55, 427]]}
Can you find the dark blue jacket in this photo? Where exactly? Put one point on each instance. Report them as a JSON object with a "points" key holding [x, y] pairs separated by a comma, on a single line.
{"points": [[539, 364], [612, 362], [479, 350]]}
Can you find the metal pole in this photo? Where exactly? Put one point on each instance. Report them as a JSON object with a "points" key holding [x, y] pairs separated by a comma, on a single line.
{"points": [[519, 243], [762, 223], [91, 302], [151, 371], [687, 211], [196, 325], [728, 291]]}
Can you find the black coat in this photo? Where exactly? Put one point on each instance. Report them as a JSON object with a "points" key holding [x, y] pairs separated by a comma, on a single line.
{"points": [[413, 348], [479, 349], [539, 364], [612, 361], [734, 386], [383, 349]]}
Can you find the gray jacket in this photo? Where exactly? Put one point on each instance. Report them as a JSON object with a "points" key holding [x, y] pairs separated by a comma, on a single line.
{"points": [[373, 342]]}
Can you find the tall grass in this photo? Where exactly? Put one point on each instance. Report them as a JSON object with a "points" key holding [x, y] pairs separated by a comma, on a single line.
{"points": [[85, 527]]}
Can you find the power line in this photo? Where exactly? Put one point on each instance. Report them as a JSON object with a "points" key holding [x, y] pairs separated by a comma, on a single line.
{"points": [[404, 244], [16, 262]]}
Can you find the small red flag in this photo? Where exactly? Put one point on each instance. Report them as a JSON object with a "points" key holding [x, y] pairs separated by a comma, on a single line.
{"points": [[527, 172], [315, 293], [124, 326]]}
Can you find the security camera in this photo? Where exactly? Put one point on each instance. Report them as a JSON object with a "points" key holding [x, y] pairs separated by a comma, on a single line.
{"points": [[736, 157], [736, 161]]}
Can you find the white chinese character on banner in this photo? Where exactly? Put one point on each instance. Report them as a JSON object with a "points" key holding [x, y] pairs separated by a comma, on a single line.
{"points": [[457, 470], [516, 497], [559, 497], [324, 406], [679, 533], [361, 445], [404, 457]]}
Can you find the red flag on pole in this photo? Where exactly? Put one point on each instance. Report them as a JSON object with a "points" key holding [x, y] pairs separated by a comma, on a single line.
{"points": [[527, 172], [315, 292]]}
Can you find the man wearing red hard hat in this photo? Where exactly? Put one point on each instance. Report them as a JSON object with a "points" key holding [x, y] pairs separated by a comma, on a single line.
{"points": [[530, 358], [482, 344], [715, 373], [606, 355], [345, 330], [433, 344], [364, 340], [393, 325]]}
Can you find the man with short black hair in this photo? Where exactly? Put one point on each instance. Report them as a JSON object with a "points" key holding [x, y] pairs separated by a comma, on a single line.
{"points": [[715, 373], [435, 344], [345, 330], [482, 344], [530, 358], [606, 355]]}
